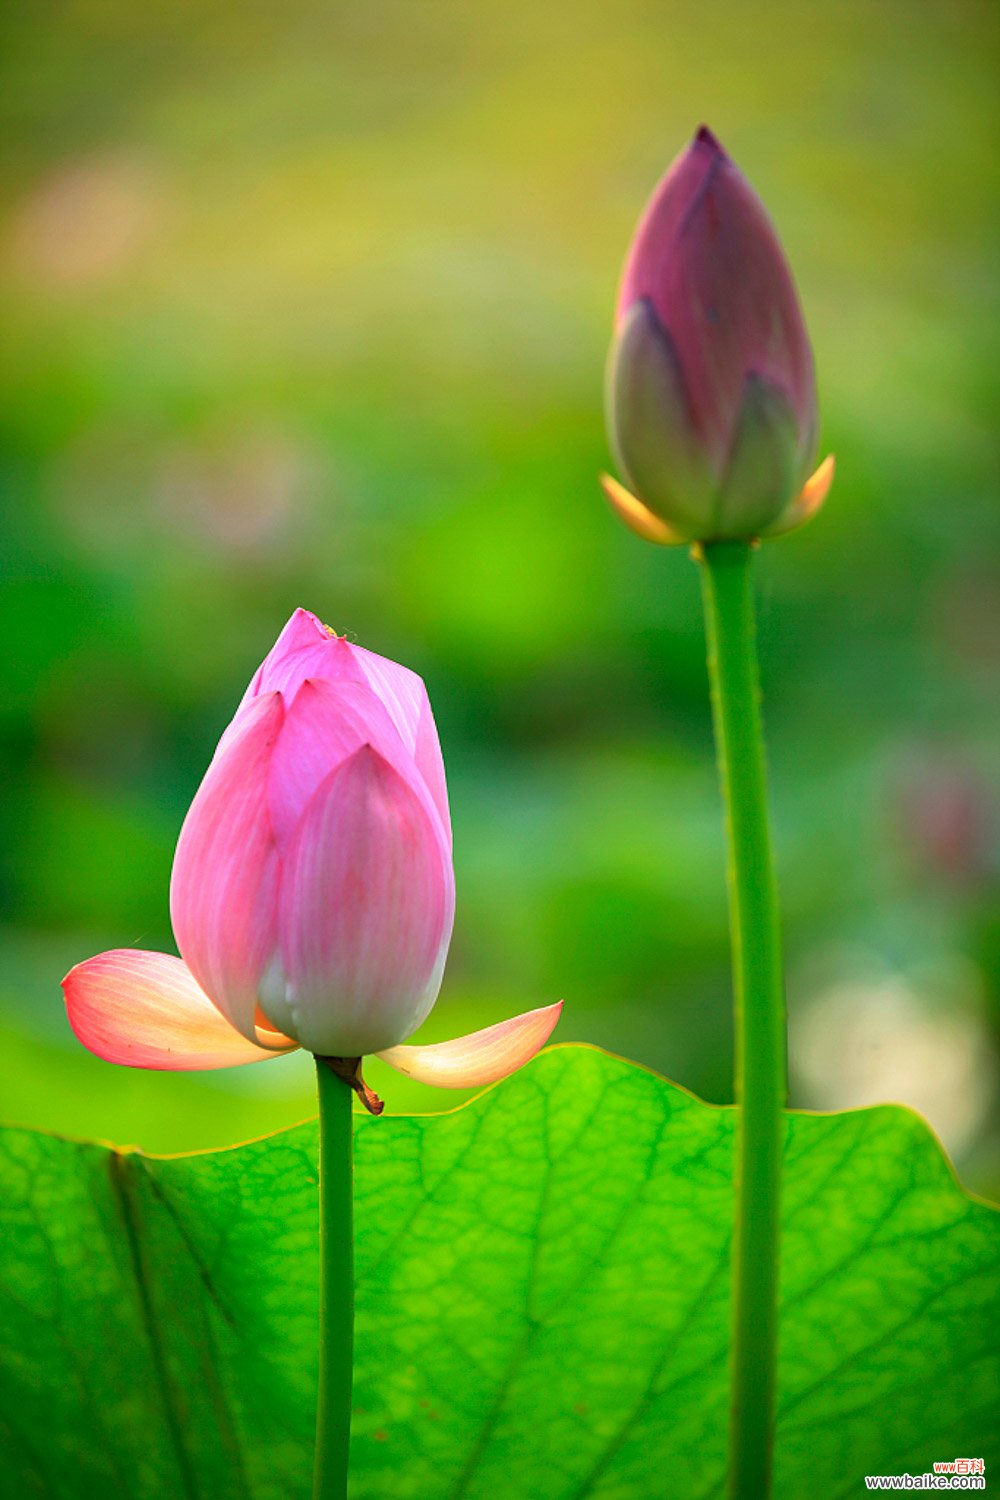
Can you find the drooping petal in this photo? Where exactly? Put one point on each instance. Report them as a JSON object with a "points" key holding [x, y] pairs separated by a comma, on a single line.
{"points": [[366, 910], [808, 502], [324, 725], [224, 883], [145, 1010], [637, 518], [482, 1057]]}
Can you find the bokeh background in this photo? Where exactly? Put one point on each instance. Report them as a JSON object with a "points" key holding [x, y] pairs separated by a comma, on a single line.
{"points": [[309, 304]]}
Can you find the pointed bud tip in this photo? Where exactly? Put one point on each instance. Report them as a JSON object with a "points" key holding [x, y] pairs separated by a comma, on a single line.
{"points": [[705, 137]]}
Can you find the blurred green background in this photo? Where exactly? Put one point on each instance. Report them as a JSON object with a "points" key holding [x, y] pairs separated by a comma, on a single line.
{"points": [[310, 304]]}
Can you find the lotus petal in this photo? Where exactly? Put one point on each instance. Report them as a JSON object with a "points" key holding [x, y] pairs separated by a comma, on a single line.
{"points": [[145, 1010], [480, 1058], [367, 904], [224, 883]]}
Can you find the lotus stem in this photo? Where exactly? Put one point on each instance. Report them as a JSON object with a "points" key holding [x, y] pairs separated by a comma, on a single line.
{"points": [[761, 1081], [336, 1239]]}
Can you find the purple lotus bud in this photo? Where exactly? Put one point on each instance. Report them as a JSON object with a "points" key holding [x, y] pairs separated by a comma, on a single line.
{"points": [[711, 393]]}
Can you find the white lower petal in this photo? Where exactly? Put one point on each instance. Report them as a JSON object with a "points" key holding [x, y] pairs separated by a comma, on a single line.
{"points": [[471, 1062]]}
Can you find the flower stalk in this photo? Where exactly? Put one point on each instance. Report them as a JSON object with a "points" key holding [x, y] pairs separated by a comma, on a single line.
{"points": [[336, 1240], [759, 1011]]}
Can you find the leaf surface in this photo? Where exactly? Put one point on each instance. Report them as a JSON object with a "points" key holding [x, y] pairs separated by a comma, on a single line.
{"points": [[542, 1304]]}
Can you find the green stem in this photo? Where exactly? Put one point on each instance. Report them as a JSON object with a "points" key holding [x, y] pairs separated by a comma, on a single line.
{"points": [[336, 1240], [759, 1011]]}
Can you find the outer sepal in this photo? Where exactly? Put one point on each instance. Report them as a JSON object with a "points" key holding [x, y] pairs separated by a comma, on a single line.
{"points": [[761, 473], [638, 519], [807, 503], [650, 423]]}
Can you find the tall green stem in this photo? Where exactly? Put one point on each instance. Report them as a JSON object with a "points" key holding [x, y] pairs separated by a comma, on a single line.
{"points": [[759, 1010], [336, 1239]]}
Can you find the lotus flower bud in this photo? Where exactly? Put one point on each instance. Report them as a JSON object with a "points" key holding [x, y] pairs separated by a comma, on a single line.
{"points": [[312, 891], [711, 397], [312, 894]]}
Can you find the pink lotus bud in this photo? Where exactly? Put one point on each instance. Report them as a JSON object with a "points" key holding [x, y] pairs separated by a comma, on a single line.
{"points": [[313, 882], [312, 893], [711, 394]]}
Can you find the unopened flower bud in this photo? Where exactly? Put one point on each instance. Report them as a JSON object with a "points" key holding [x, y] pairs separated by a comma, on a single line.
{"points": [[312, 893], [711, 398]]}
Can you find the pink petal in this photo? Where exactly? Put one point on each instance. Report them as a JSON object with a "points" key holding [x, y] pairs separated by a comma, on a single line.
{"points": [[303, 630], [401, 690], [224, 884], [307, 650], [325, 724], [146, 1011], [367, 904], [430, 762], [303, 633], [405, 696], [471, 1062]]}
